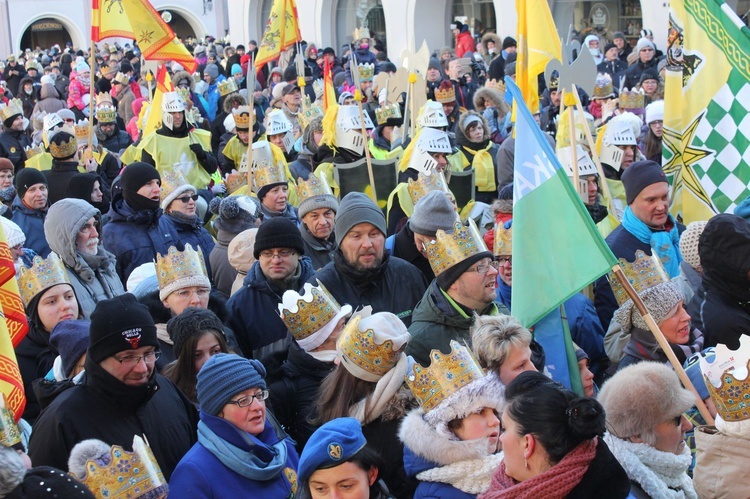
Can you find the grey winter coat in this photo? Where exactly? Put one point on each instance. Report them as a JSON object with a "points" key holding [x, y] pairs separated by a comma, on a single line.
{"points": [[94, 278], [49, 100]]}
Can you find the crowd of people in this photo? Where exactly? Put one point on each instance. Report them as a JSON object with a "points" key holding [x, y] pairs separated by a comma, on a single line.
{"points": [[200, 274]]}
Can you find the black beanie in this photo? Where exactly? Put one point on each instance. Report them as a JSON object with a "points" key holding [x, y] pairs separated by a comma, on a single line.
{"points": [[81, 185], [264, 190], [509, 41], [191, 321], [450, 275], [608, 46], [640, 175], [26, 178], [135, 176], [9, 121], [120, 324], [278, 232]]}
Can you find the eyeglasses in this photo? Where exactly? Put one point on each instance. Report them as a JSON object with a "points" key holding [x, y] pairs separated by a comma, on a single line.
{"points": [[483, 268], [186, 199], [285, 253], [248, 399], [502, 260], [186, 293], [134, 360]]}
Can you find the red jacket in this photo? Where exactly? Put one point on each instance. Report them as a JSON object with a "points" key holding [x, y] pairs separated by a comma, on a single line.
{"points": [[464, 43]]}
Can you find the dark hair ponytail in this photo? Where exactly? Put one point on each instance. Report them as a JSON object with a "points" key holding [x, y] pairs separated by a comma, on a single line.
{"points": [[559, 419]]}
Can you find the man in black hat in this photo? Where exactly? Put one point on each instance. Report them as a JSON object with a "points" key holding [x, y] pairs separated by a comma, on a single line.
{"points": [[120, 396], [13, 139], [291, 98], [30, 208]]}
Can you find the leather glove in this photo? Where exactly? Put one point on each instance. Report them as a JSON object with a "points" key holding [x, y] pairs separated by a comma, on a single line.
{"points": [[199, 152]]}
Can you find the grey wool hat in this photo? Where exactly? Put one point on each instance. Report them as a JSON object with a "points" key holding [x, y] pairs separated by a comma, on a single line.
{"points": [[357, 208], [433, 212]]}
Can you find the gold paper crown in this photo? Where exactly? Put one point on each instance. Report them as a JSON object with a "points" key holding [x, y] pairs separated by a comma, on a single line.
{"points": [[360, 33], [106, 114], [308, 112], [178, 265], [314, 310], [360, 349], [103, 98], [313, 186], [318, 87], [65, 149], [732, 396], [445, 94], [446, 374], [554, 83], [645, 272], [81, 131], [235, 181], [242, 117], [366, 71], [171, 180], [127, 474], [425, 184], [632, 100], [389, 111], [122, 78], [227, 86], [42, 275], [496, 84], [9, 434], [503, 241], [14, 107], [184, 93], [266, 174], [448, 249], [33, 151]]}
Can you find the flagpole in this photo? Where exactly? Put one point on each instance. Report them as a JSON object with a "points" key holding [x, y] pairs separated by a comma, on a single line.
{"points": [[663, 343], [353, 69], [573, 141], [250, 85], [89, 153]]}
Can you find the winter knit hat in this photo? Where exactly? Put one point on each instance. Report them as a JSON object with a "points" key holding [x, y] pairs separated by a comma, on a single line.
{"points": [[332, 444], [211, 70], [357, 208], [192, 321], [620, 35], [26, 178], [508, 42], [641, 396], [5, 164], [316, 202], [120, 324], [434, 64], [648, 75], [82, 67], [278, 232], [660, 300], [41, 482], [689, 244], [135, 176], [640, 175], [234, 214], [225, 375], [13, 233], [236, 69], [655, 111], [642, 44], [433, 212], [71, 340], [608, 46]]}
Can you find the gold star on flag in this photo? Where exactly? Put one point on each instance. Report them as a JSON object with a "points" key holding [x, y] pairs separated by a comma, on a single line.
{"points": [[145, 36], [684, 155]]}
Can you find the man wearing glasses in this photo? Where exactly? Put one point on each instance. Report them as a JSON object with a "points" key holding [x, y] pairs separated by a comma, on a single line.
{"points": [[253, 314], [646, 51], [120, 395]]}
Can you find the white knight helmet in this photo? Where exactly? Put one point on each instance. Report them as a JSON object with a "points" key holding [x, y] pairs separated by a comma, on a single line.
{"points": [[619, 132], [432, 115], [277, 123], [430, 140], [51, 122], [171, 103], [349, 129]]}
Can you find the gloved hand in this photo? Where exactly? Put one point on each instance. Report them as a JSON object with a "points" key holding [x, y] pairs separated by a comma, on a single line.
{"points": [[200, 154], [219, 189]]}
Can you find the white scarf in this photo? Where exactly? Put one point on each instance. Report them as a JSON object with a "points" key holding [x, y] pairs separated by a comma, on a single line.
{"points": [[324, 355], [472, 476], [385, 390], [660, 474]]}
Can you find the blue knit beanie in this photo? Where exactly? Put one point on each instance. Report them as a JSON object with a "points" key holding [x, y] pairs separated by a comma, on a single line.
{"points": [[225, 375], [332, 444], [236, 68], [71, 339]]}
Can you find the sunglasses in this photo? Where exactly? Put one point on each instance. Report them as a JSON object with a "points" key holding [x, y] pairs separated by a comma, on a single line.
{"points": [[186, 199]]}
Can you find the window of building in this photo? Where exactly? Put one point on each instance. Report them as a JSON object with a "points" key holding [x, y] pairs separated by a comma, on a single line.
{"points": [[352, 14]]}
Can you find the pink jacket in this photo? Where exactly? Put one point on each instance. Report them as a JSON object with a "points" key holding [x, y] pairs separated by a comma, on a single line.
{"points": [[76, 91]]}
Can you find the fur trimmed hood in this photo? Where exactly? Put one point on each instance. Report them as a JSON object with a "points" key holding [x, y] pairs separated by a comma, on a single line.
{"points": [[481, 393], [493, 95], [461, 124], [494, 38], [181, 75], [232, 99], [399, 405]]}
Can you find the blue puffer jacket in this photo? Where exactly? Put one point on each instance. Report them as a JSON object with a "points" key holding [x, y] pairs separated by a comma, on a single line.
{"points": [[134, 237], [189, 233], [200, 474], [32, 225], [415, 464]]}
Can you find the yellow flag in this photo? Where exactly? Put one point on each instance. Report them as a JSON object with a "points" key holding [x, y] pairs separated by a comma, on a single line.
{"points": [[282, 31], [538, 44], [163, 84]]}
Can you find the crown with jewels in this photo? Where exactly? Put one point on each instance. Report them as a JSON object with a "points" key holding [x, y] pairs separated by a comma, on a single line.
{"points": [[33, 151], [554, 82], [9, 433], [360, 33], [425, 184], [81, 130], [242, 117], [644, 273], [42, 275], [503, 245], [184, 93], [446, 374], [122, 78], [235, 181], [318, 87], [496, 84], [308, 112], [728, 380], [265, 173], [313, 186], [311, 311], [387, 112], [227, 86], [176, 265], [359, 348], [121, 474], [106, 113], [64, 149], [170, 180], [445, 93], [103, 98], [450, 248], [13, 108], [366, 71], [603, 88], [632, 100]]}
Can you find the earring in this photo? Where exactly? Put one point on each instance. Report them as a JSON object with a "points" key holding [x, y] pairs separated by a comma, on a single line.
{"points": [[526, 462]]}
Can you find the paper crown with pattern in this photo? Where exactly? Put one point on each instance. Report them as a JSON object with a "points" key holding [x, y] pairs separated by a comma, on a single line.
{"points": [[81, 130], [264, 173], [603, 88], [315, 308], [184, 93], [308, 112], [106, 113], [313, 186], [13, 108], [179, 269], [360, 33], [446, 374], [242, 117], [227, 86], [450, 248], [235, 181], [366, 71], [728, 380], [503, 244], [632, 100], [122, 78], [388, 112], [445, 93], [42, 275], [103, 98], [554, 82], [122, 474], [645, 272], [64, 149], [496, 84], [170, 180], [318, 87], [9, 433], [425, 184], [33, 151], [360, 348]]}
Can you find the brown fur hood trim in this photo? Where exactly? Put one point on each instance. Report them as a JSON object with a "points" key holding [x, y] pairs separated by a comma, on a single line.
{"points": [[493, 37], [232, 99], [181, 75], [493, 95], [400, 405], [462, 120]]}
